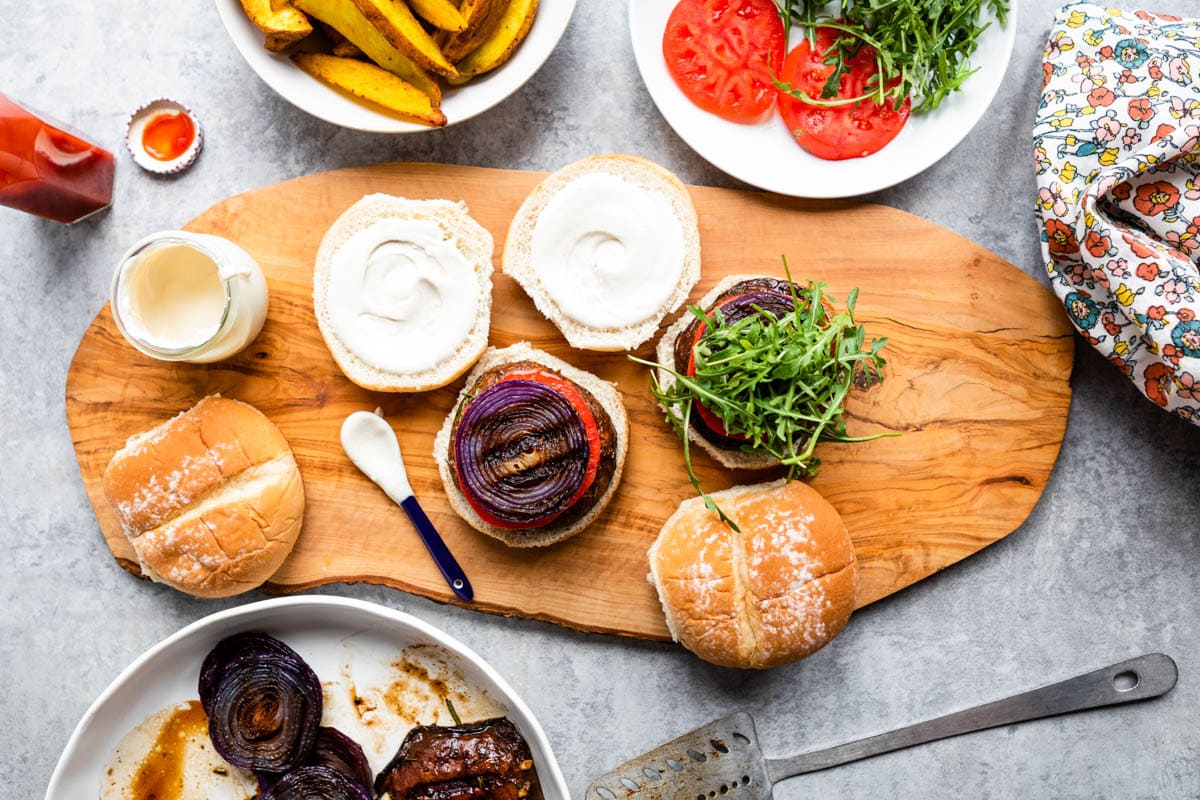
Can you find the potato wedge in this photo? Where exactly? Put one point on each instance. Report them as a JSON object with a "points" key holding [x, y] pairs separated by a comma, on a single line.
{"points": [[345, 17], [374, 84], [440, 14], [402, 30], [340, 45], [280, 21], [513, 27], [483, 17]]}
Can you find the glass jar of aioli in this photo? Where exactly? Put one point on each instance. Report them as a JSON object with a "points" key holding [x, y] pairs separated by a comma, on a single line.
{"points": [[180, 296]]}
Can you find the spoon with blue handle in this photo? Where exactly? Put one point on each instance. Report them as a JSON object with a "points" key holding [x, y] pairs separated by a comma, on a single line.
{"points": [[372, 446]]}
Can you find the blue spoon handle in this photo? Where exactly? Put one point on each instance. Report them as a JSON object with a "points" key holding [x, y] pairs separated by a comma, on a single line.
{"points": [[442, 556]]}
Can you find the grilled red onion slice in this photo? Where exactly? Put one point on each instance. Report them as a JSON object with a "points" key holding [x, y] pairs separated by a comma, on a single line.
{"points": [[520, 452], [777, 303], [338, 751], [316, 783], [263, 703], [335, 750]]}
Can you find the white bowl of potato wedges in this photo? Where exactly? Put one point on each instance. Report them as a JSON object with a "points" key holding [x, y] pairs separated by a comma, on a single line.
{"points": [[395, 66]]}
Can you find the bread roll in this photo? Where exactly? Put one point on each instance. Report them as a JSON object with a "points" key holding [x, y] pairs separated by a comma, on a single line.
{"points": [[773, 593], [211, 500], [392, 334], [641, 179], [605, 394]]}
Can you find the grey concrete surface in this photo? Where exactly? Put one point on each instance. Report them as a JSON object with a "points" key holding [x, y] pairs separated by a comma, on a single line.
{"points": [[1105, 568]]}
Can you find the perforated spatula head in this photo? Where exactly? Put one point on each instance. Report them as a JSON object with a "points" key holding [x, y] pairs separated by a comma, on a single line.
{"points": [[719, 760]]}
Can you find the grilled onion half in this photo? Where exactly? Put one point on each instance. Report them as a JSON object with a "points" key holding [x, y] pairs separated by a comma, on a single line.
{"points": [[263, 703], [316, 783]]}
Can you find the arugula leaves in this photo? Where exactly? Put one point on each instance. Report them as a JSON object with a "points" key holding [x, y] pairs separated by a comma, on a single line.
{"points": [[781, 382], [923, 48]]}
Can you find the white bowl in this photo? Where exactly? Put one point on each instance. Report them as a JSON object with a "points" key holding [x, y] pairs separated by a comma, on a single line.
{"points": [[314, 627], [765, 155], [327, 103]]}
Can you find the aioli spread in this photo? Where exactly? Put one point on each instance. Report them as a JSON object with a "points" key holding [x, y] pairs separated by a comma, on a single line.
{"points": [[180, 296], [607, 252], [402, 297]]}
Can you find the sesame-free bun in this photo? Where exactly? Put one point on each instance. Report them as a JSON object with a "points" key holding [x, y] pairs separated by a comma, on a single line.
{"points": [[517, 259], [606, 395], [665, 351], [458, 227], [773, 593], [211, 500]]}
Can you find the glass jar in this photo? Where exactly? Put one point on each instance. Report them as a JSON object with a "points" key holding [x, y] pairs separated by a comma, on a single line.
{"points": [[49, 169], [180, 296]]}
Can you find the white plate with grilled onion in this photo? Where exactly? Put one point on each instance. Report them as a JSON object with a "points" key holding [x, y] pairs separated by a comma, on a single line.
{"points": [[359, 650]]}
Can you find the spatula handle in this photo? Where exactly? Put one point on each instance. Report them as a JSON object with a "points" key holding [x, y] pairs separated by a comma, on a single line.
{"points": [[1139, 678]]}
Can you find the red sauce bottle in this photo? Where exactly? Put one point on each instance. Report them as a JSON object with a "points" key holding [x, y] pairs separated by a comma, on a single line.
{"points": [[49, 169]]}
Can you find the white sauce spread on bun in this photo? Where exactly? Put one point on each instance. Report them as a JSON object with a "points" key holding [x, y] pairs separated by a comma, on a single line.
{"points": [[607, 252], [402, 297]]}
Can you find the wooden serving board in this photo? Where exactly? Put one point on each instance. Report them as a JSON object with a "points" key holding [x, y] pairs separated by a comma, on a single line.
{"points": [[979, 356]]}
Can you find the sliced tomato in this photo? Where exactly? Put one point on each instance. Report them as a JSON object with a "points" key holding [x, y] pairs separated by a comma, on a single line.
{"points": [[714, 423], [725, 54], [837, 132]]}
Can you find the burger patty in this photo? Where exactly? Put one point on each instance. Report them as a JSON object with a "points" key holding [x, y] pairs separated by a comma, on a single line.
{"points": [[608, 437], [683, 347]]}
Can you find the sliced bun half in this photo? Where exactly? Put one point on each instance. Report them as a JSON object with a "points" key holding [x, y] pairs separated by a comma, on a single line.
{"points": [[640, 312], [358, 353], [606, 395], [211, 500], [777, 591], [665, 353]]}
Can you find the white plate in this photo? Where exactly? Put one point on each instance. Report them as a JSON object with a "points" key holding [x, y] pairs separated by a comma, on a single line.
{"points": [[313, 626], [766, 156], [327, 103]]}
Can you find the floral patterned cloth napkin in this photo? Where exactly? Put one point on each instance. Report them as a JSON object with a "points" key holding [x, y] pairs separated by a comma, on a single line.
{"points": [[1117, 144]]}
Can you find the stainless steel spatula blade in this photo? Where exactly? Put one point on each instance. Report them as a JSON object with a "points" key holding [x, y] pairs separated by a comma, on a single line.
{"points": [[720, 759], [723, 759]]}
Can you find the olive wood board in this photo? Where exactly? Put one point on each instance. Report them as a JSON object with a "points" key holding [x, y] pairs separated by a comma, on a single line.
{"points": [[979, 356]]}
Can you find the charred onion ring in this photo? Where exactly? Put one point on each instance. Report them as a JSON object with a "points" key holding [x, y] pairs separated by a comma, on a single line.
{"points": [[338, 751], [525, 450], [316, 783], [263, 703]]}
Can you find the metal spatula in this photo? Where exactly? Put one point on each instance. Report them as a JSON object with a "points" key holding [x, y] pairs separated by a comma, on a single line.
{"points": [[723, 758]]}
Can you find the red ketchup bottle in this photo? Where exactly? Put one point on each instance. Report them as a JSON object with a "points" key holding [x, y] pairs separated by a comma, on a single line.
{"points": [[48, 169]]}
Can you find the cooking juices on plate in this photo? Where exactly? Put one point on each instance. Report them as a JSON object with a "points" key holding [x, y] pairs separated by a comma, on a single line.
{"points": [[49, 169], [267, 726], [849, 84], [179, 296]]}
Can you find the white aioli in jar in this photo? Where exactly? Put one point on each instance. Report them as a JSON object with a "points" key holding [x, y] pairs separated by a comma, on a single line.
{"points": [[180, 296]]}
